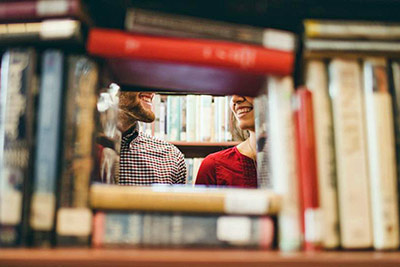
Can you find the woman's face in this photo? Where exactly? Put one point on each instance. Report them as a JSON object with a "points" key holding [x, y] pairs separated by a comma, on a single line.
{"points": [[243, 109]]}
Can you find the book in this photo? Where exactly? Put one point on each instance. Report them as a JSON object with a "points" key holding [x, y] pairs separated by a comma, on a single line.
{"points": [[174, 117], [191, 122], [62, 31], [205, 121], [307, 169], [74, 217], [35, 10], [342, 29], [317, 83], [167, 76], [108, 43], [18, 92], [261, 121], [394, 87], [164, 24], [370, 46], [283, 161], [133, 229], [48, 150], [345, 89], [184, 199], [381, 155]]}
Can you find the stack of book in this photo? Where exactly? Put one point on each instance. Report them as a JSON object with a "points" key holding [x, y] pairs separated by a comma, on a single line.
{"points": [[48, 100], [168, 51], [345, 123], [170, 216]]}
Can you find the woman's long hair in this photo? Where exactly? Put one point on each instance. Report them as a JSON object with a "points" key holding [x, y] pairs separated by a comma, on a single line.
{"points": [[237, 133]]}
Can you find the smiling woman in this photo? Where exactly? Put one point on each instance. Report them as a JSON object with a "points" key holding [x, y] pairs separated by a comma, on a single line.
{"points": [[234, 166]]}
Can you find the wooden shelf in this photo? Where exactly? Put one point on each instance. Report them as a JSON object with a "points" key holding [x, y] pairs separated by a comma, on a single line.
{"points": [[192, 258], [201, 149]]}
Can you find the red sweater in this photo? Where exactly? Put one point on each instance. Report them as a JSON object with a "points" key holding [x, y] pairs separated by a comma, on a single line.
{"points": [[228, 168]]}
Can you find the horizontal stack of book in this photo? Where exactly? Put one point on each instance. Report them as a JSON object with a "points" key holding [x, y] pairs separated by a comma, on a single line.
{"points": [[167, 51], [165, 216]]}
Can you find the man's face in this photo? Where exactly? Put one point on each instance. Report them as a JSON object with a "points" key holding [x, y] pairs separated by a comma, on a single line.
{"points": [[135, 106]]}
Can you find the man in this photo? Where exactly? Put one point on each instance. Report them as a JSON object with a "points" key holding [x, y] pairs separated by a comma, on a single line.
{"points": [[144, 159]]}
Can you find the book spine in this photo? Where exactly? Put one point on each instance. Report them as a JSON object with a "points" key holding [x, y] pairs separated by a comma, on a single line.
{"points": [[283, 162], [191, 121], [43, 202], [178, 230], [381, 155], [345, 90], [351, 46], [117, 44], [174, 117], [307, 169], [261, 120], [65, 30], [163, 120], [184, 199], [394, 72], [183, 129], [18, 90], [351, 30], [227, 125], [151, 22], [205, 118], [74, 218], [317, 82], [157, 113], [37, 9]]}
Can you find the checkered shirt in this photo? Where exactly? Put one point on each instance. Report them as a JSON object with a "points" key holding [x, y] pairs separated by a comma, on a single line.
{"points": [[147, 160]]}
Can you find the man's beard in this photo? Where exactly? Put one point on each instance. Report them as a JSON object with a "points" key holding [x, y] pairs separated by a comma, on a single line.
{"points": [[142, 114]]}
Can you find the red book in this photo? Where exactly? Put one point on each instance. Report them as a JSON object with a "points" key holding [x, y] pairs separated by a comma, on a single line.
{"points": [[184, 77], [252, 58], [307, 169], [30, 10]]}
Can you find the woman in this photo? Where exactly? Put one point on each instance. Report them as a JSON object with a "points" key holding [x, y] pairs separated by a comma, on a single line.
{"points": [[234, 166]]}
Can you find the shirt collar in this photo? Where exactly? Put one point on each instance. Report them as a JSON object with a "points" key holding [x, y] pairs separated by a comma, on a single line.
{"points": [[129, 135]]}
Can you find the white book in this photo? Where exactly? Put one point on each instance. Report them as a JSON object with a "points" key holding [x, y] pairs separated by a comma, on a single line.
{"points": [[174, 117], [228, 113], [156, 110], [283, 161], [198, 118], [317, 83], [183, 118], [191, 118], [381, 154], [196, 166], [205, 118], [351, 154], [213, 118], [221, 107], [163, 113]]}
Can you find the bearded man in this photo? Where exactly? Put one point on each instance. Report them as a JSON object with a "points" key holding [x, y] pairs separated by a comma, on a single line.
{"points": [[144, 159]]}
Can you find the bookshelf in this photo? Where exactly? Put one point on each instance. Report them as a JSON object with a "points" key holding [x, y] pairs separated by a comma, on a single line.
{"points": [[253, 13], [201, 149], [192, 257]]}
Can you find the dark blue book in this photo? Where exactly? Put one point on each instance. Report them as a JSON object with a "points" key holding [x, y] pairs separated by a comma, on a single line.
{"points": [[47, 154]]}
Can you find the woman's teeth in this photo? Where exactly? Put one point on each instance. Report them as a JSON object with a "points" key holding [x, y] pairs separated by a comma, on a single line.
{"points": [[244, 110]]}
